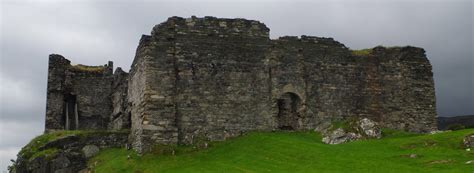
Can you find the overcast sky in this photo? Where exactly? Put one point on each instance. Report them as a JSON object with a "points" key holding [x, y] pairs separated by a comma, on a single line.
{"points": [[92, 33]]}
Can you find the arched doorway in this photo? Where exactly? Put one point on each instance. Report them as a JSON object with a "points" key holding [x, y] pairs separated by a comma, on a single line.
{"points": [[288, 115]]}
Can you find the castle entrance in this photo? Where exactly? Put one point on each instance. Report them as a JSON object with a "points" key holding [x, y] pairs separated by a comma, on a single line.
{"points": [[70, 115], [288, 116]]}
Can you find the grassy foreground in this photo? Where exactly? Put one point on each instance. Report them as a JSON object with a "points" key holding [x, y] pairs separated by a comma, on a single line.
{"points": [[303, 152]]}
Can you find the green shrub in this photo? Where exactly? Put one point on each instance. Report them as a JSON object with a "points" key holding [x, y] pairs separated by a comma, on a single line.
{"points": [[32, 147], [159, 149], [80, 67], [361, 52], [456, 127], [348, 125], [47, 153]]}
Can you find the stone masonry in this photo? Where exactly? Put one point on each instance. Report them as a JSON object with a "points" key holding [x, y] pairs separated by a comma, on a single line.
{"points": [[211, 78]]}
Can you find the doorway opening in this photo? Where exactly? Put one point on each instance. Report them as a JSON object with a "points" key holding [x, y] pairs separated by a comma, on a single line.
{"points": [[288, 115], [70, 115]]}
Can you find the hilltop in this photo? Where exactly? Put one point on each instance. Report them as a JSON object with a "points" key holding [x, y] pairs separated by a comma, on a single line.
{"points": [[445, 123]]}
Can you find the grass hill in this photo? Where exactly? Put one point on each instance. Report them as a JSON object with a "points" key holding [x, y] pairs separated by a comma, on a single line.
{"points": [[466, 121], [301, 152]]}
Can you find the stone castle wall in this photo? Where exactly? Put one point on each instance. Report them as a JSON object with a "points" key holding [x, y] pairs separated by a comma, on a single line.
{"points": [[210, 79], [120, 117], [79, 96], [221, 81]]}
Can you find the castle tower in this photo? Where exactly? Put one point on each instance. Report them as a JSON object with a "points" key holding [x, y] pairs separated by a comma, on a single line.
{"points": [[78, 96]]}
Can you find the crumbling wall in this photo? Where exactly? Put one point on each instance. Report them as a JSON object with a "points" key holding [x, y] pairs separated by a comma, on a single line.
{"points": [[393, 86], [221, 84], [406, 97], [65, 152], [121, 115], [148, 107], [55, 95], [319, 71], [78, 96], [92, 87]]}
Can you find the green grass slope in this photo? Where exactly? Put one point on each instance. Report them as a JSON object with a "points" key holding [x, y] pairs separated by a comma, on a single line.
{"points": [[303, 152]]}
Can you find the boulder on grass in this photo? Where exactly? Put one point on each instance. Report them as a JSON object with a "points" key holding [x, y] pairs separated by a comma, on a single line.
{"points": [[339, 136], [369, 128], [90, 151], [361, 129], [468, 141]]}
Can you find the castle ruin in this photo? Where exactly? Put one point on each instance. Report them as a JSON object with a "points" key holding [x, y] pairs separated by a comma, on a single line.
{"points": [[215, 78]]}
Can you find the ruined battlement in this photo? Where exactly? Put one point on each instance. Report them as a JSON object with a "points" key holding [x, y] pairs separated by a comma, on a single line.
{"points": [[59, 62], [210, 27], [100, 70], [304, 39], [405, 51], [79, 96], [212, 78]]}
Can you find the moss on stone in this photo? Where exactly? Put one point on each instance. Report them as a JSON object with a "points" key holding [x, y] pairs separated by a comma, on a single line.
{"points": [[160, 149], [348, 125], [361, 52], [366, 52], [200, 142], [48, 154], [80, 67], [33, 147]]}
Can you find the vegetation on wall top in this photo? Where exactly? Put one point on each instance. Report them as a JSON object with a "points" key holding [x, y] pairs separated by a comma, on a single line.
{"points": [[85, 68]]}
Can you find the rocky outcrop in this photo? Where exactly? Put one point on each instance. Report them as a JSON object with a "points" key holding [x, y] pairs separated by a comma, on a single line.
{"points": [[90, 151], [369, 128], [339, 136], [468, 141], [65, 154], [361, 129]]}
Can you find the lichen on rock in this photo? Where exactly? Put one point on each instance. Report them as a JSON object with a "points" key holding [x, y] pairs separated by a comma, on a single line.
{"points": [[468, 141], [65, 151], [363, 128]]}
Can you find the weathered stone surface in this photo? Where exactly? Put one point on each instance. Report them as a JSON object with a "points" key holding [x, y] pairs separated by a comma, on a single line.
{"points": [[79, 96], [369, 128], [468, 141], [361, 129], [339, 136], [323, 127], [60, 162], [207, 79], [120, 116], [90, 151]]}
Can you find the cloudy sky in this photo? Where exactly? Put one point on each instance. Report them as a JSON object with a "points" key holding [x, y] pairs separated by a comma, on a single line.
{"points": [[92, 33]]}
